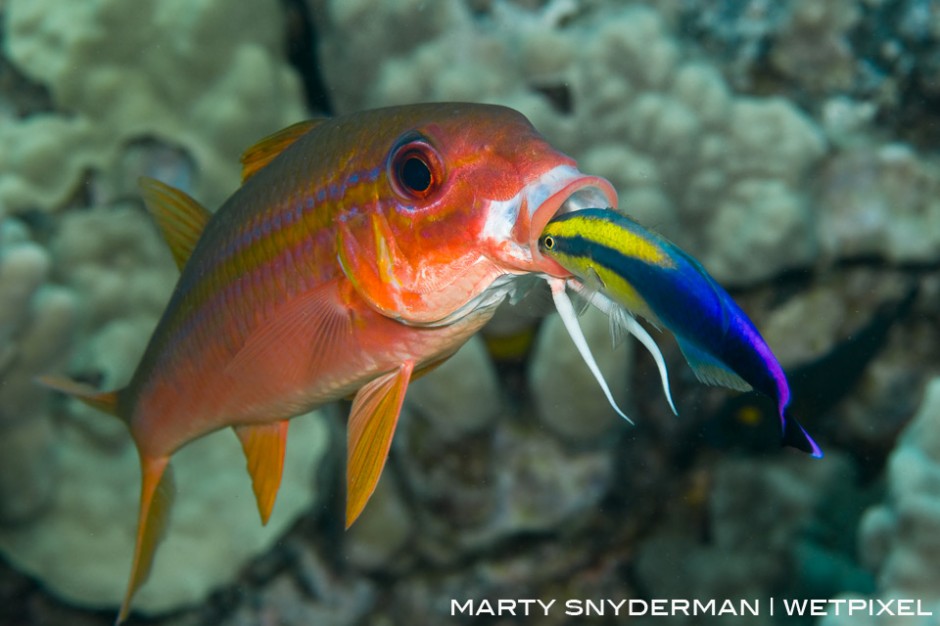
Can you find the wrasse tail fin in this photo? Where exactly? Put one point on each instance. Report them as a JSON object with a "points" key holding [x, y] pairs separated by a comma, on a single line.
{"points": [[371, 425], [709, 369], [181, 219], [104, 401], [260, 154], [264, 446], [570, 320], [156, 498], [795, 436]]}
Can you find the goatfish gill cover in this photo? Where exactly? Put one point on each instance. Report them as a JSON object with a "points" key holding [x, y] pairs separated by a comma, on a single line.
{"points": [[624, 269], [359, 253]]}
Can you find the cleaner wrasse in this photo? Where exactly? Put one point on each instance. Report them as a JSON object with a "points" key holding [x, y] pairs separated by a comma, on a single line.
{"points": [[626, 270]]}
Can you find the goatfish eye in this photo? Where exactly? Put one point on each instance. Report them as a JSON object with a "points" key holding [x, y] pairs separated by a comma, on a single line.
{"points": [[415, 169]]}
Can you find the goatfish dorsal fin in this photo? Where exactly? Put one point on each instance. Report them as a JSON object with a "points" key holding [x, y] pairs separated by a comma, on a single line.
{"points": [[181, 219], [260, 154], [372, 422], [264, 446]]}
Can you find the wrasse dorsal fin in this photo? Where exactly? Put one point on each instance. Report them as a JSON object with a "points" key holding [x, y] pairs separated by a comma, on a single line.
{"points": [[709, 369], [260, 154], [264, 446], [371, 426], [156, 498], [181, 219]]}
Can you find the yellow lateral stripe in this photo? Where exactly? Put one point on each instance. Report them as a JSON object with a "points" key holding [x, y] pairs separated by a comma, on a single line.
{"points": [[609, 235]]}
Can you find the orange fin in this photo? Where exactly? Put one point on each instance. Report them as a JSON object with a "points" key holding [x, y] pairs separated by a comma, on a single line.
{"points": [[105, 401], [180, 218], [264, 446], [369, 435], [300, 339], [156, 498], [259, 155]]}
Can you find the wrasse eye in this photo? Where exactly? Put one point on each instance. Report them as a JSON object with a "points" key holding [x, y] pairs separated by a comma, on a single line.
{"points": [[548, 242], [415, 170]]}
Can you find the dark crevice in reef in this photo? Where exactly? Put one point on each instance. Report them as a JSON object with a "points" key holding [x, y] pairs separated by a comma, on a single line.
{"points": [[302, 53]]}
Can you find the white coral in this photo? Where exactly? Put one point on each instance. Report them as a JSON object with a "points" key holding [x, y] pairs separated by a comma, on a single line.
{"points": [[119, 70]]}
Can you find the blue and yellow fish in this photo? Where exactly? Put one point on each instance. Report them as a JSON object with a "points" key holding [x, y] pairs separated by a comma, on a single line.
{"points": [[625, 269]]}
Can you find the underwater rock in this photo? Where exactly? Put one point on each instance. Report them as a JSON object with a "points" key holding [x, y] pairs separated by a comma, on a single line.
{"points": [[566, 395], [881, 201], [382, 531], [758, 513], [813, 49], [205, 76], [898, 538], [612, 88], [36, 328], [501, 483], [81, 547]]}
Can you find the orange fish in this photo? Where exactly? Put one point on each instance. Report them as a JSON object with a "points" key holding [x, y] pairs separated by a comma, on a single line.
{"points": [[359, 253]]}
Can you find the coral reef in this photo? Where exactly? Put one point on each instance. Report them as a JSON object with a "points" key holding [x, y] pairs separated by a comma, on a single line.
{"points": [[898, 537], [36, 328], [171, 71], [789, 145]]}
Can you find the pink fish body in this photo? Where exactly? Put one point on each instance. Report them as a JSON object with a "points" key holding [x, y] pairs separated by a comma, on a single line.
{"points": [[360, 252]]}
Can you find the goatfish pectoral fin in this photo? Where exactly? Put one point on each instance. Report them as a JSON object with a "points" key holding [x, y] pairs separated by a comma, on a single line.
{"points": [[372, 422], [570, 319], [156, 498], [264, 446]]}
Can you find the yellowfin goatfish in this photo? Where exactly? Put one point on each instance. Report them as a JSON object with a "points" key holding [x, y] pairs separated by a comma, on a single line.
{"points": [[359, 253], [624, 269]]}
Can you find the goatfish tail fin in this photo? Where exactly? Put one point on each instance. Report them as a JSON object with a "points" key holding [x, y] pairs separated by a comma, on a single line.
{"points": [[156, 495], [104, 401]]}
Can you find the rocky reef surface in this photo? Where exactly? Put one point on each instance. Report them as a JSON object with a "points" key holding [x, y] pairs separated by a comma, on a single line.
{"points": [[790, 146]]}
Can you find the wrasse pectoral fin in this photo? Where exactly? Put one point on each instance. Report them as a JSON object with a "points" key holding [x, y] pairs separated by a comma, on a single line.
{"points": [[181, 219], [156, 498], [260, 154], [709, 370], [264, 446], [372, 422], [570, 319], [104, 401]]}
